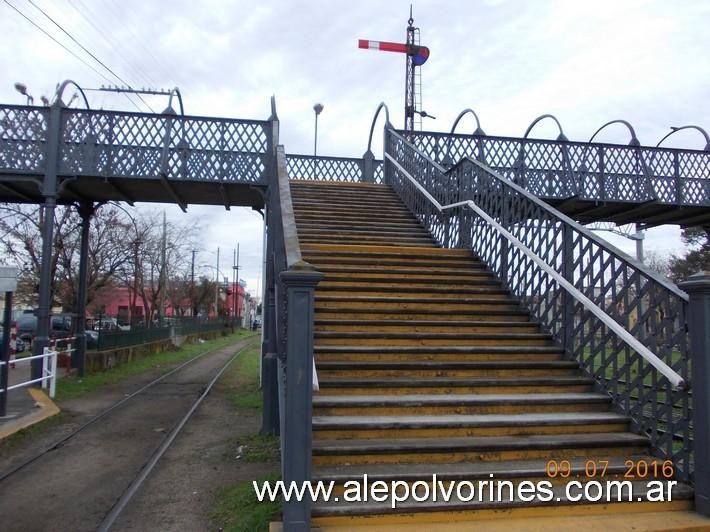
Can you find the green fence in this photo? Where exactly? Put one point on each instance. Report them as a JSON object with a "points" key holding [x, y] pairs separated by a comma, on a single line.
{"points": [[181, 327]]}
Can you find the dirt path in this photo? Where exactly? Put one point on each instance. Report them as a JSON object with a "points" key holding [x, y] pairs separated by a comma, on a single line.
{"points": [[74, 487]]}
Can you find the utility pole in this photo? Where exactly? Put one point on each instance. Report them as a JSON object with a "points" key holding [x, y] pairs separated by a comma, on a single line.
{"points": [[236, 284], [163, 274], [216, 288], [192, 285]]}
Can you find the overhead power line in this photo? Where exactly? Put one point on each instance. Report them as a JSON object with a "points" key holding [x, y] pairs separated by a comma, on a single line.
{"points": [[55, 40], [86, 50], [118, 47]]}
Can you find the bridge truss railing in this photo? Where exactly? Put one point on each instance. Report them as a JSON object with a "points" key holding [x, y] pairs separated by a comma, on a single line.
{"points": [[624, 324], [564, 169], [122, 144], [325, 168]]}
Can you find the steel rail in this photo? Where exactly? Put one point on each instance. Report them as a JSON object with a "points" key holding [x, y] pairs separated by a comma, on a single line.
{"points": [[138, 481], [56, 445], [675, 379]]}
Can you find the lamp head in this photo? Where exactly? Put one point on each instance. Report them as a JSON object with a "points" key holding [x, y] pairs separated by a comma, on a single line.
{"points": [[21, 88], [318, 108]]}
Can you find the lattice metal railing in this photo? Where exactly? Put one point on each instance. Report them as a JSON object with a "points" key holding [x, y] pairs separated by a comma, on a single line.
{"points": [[562, 169], [346, 169], [121, 144], [23, 139], [651, 309]]}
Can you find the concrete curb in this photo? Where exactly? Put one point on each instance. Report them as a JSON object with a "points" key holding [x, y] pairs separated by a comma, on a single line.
{"points": [[45, 408]]}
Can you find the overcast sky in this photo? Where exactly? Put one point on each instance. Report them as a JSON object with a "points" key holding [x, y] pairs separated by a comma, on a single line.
{"points": [[511, 61]]}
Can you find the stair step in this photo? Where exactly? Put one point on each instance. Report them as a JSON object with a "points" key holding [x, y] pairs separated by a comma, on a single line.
{"points": [[403, 275], [490, 513], [334, 311], [324, 338], [401, 241], [385, 251], [471, 471], [352, 211], [421, 289], [350, 229], [339, 186], [426, 368], [453, 385], [418, 304], [465, 349], [458, 403], [482, 448], [464, 425], [423, 326], [380, 207], [364, 225]]}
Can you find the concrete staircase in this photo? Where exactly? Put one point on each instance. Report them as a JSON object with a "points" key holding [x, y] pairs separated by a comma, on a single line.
{"points": [[428, 365]]}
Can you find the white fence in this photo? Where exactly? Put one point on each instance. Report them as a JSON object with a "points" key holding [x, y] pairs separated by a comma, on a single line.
{"points": [[49, 369]]}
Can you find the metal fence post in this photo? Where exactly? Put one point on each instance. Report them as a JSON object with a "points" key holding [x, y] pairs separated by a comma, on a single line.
{"points": [[299, 281], [5, 353], [698, 288], [567, 299]]}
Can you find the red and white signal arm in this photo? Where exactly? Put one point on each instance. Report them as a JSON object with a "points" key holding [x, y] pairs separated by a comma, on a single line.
{"points": [[419, 53]]}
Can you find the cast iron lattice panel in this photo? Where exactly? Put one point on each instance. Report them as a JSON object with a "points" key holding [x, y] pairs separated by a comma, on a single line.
{"points": [[140, 145], [649, 308], [116, 144], [600, 172], [23, 137], [322, 168]]}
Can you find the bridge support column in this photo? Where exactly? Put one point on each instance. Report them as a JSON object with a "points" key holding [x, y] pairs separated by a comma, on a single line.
{"points": [[698, 288], [50, 191], [270, 421], [86, 211], [296, 439], [46, 278]]}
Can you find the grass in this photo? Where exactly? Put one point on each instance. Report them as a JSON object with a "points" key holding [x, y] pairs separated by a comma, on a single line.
{"points": [[238, 510], [20, 437], [72, 386], [258, 449], [246, 379]]}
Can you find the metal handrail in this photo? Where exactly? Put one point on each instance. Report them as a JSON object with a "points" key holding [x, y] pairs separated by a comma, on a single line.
{"points": [[552, 211], [288, 219], [675, 379]]}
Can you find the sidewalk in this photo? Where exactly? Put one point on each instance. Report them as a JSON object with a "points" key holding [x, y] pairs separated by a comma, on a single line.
{"points": [[25, 406]]}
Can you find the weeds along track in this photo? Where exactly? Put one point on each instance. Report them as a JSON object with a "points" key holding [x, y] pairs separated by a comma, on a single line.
{"points": [[88, 477]]}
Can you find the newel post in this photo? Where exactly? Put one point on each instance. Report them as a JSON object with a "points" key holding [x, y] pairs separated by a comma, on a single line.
{"points": [[368, 167], [698, 288], [299, 282]]}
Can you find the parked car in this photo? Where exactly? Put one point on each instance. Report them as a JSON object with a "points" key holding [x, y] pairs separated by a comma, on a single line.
{"points": [[92, 339], [110, 324], [60, 326]]}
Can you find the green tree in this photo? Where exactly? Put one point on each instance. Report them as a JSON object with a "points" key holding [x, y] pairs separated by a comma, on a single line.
{"points": [[697, 257]]}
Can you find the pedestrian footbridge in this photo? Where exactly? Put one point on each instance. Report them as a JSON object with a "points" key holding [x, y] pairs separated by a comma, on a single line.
{"points": [[438, 311]]}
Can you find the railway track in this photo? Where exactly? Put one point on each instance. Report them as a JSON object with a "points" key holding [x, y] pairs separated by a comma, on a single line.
{"points": [[87, 478]]}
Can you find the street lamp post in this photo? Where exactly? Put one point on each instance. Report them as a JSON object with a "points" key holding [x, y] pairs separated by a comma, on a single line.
{"points": [[318, 108], [22, 89]]}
